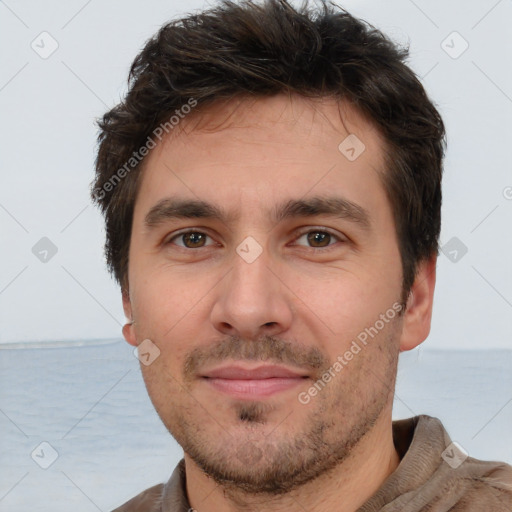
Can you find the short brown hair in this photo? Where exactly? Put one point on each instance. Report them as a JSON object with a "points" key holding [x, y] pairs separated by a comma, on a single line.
{"points": [[262, 49]]}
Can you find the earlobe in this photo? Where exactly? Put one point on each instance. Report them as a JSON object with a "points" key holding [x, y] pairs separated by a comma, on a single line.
{"points": [[129, 333], [128, 329], [418, 313]]}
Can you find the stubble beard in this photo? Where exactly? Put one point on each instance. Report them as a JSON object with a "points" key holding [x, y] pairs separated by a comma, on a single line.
{"points": [[252, 462]]}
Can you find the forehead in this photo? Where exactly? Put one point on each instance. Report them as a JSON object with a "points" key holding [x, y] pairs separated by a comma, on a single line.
{"points": [[295, 117], [246, 152]]}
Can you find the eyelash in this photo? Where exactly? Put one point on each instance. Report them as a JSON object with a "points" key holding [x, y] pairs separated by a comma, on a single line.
{"points": [[299, 235]]}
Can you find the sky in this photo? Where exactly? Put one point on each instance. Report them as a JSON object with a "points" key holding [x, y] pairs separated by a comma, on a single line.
{"points": [[66, 64]]}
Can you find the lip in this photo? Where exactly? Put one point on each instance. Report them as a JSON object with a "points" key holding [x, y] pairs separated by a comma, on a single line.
{"points": [[268, 371], [253, 383]]}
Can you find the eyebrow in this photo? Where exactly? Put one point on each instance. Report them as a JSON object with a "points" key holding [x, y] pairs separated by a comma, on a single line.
{"points": [[177, 208]]}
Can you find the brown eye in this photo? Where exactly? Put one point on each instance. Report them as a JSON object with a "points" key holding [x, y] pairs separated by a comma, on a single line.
{"points": [[319, 238], [193, 240], [190, 240]]}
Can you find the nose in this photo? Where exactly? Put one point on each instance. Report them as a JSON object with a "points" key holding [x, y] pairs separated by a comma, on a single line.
{"points": [[252, 301]]}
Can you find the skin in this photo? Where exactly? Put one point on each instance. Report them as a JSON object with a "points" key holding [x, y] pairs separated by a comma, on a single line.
{"points": [[300, 304]]}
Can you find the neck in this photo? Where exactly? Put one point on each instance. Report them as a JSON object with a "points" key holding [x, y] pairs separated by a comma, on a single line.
{"points": [[344, 489]]}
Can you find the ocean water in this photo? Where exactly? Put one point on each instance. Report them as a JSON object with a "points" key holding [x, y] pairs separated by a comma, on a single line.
{"points": [[79, 432]]}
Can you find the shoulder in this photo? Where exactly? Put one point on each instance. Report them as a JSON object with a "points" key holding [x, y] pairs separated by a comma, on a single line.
{"points": [[487, 487], [467, 484], [149, 500], [434, 474], [474, 486]]}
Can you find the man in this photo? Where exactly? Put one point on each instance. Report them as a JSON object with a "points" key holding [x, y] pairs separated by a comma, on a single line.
{"points": [[272, 190]]}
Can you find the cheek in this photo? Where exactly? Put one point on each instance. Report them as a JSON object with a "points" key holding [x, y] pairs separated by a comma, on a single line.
{"points": [[166, 298], [163, 390], [345, 301]]}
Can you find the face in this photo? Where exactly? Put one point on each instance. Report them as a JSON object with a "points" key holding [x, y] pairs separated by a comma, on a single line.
{"points": [[264, 267]]}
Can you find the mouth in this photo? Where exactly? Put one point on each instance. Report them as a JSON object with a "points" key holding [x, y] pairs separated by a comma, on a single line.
{"points": [[253, 383]]}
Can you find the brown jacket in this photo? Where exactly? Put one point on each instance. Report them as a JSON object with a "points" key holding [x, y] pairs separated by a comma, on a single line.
{"points": [[433, 476]]}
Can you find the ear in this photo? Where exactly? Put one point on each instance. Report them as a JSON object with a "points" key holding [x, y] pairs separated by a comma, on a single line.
{"points": [[418, 312], [128, 328]]}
